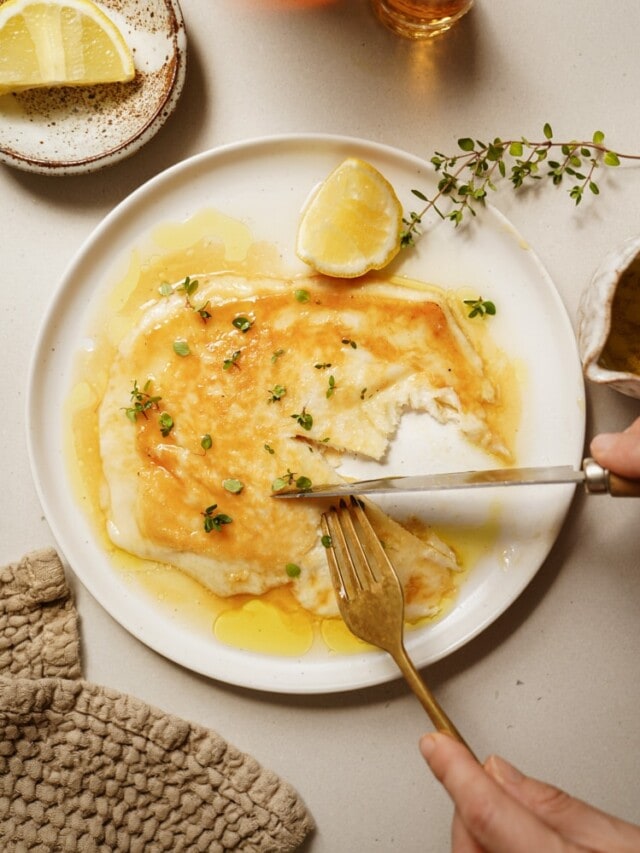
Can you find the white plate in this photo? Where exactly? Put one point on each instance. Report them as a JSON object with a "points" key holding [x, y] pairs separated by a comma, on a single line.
{"points": [[265, 183], [69, 130]]}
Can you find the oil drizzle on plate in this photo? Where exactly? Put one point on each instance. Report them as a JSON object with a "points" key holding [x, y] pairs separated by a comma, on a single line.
{"points": [[274, 623]]}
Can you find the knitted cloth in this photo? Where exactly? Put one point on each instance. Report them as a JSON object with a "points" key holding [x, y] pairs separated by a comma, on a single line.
{"points": [[84, 768]]}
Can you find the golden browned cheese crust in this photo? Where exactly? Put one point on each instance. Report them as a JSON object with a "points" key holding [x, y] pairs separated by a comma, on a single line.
{"points": [[319, 368]]}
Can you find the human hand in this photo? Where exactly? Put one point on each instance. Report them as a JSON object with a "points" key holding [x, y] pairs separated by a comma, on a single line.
{"points": [[619, 451], [499, 810]]}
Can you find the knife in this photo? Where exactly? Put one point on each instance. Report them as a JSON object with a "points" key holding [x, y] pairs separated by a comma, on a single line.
{"points": [[595, 479]]}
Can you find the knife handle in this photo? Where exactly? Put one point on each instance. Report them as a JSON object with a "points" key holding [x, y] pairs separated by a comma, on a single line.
{"points": [[599, 481]]}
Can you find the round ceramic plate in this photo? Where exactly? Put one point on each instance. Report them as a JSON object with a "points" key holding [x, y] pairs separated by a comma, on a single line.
{"points": [[265, 183], [69, 130]]}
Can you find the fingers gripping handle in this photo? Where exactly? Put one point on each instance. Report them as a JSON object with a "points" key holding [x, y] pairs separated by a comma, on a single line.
{"points": [[600, 481]]}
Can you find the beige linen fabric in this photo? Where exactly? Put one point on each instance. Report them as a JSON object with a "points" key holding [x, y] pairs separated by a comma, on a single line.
{"points": [[85, 768]]}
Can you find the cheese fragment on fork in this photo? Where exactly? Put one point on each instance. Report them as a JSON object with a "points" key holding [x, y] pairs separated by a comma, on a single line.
{"points": [[254, 382]]}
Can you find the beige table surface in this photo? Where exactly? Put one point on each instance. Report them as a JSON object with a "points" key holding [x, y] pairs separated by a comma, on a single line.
{"points": [[554, 683]]}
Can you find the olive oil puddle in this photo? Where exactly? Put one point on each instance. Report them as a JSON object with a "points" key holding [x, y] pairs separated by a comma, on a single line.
{"points": [[274, 623]]}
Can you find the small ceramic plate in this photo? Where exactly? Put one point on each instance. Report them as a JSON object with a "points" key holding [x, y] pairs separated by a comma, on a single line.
{"points": [[69, 130]]}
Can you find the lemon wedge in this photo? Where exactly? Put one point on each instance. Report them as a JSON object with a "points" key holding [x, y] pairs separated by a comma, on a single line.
{"points": [[352, 222], [64, 43]]}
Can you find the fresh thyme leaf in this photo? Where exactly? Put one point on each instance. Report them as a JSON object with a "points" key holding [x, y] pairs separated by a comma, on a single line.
{"points": [[166, 423], [203, 311], [332, 387], [292, 570], [351, 343], [466, 178], [230, 362], [242, 323], [289, 479], [181, 347], [276, 355], [326, 541], [269, 449], [234, 486], [188, 286], [141, 401], [322, 365], [480, 307], [206, 442], [304, 419], [277, 393], [213, 520], [301, 295], [165, 289]]}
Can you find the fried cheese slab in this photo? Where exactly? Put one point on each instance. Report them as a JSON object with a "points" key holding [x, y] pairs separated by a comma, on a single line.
{"points": [[283, 376]]}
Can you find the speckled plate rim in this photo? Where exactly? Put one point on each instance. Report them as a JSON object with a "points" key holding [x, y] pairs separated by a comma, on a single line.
{"points": [[149, 126], [265, 182]]}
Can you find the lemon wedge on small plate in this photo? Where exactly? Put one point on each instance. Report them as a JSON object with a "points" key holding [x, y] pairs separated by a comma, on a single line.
{"points": [[71, 100], [60, 43], [351, 223]]}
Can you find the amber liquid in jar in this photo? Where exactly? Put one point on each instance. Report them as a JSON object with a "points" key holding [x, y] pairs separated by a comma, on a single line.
{"points": [[420, 18]]}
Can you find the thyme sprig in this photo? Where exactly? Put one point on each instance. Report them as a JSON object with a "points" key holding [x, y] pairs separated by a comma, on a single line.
{"points": [[466, 178]]}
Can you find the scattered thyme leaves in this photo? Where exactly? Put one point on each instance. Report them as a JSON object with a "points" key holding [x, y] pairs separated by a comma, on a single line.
{"points": [[277, 393], [141, 401], [206, 442], [301, 295], [232, 485], [292, 570], [232, 361], [290, 479], [326, 541], [188, 286], [181, 347], [166, 424], [243, 324], [332, 387], [304, 419], [350, 343], [203, 311], [215, 520], [480, 307], [276, 355]]}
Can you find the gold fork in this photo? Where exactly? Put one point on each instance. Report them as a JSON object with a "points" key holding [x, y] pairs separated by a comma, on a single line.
{"points": [[370, 597]]}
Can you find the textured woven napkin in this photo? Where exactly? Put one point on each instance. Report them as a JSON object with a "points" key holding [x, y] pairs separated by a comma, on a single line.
{"points": [[84, 768]]}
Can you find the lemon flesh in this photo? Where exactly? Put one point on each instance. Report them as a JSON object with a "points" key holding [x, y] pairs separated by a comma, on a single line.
{"points": [[352, 222], [68, 43]]}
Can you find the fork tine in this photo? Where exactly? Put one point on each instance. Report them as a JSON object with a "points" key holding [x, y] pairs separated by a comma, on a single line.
{"points": [[372, 545], [362, 568], [340, 566]]}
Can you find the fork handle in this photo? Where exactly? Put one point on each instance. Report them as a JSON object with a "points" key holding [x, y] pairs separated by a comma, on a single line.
{"points": [[428, 701]]}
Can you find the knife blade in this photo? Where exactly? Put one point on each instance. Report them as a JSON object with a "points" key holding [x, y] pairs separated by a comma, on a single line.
{"points": [[596, 480]]}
